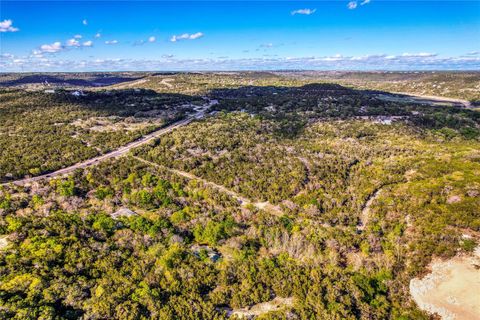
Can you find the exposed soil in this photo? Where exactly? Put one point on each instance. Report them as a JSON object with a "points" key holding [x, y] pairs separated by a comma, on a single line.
{"points": [[3, 242], [262, 308], [365, 214], [452, 289], [110, 124], [166, 82]]}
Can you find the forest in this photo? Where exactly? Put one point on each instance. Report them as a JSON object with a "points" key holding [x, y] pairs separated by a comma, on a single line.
{"points": [[319, 194], [43, 131]]}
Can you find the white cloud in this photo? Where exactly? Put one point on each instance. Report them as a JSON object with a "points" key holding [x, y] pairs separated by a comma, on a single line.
{"points": [[6, 56], [77, 36], [337, 57], [51, 48], [304, 11], [73, 43], [37, 53], [364, 2], [186, 36], [419, 55], [473, 53], [372, 57], [352, 5], [267, 45], [98, 35], [380, 61], [196, 35], [84, 22], [6, 26], [150, 39], [175, 38], [111, 42]]}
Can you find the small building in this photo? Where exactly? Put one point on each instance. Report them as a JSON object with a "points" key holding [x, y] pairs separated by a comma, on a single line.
{"points": [[78, 93], [213, 255], [123, 212]]}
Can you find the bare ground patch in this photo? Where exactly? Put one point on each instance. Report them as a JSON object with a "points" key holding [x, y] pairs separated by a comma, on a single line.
{"points": [[131, 84], [109, 124], [3, 242], [261, 308], [452, 289]]}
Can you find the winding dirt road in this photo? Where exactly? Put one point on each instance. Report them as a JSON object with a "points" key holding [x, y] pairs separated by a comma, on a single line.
{"points": [[120, 151], [365, 214]]}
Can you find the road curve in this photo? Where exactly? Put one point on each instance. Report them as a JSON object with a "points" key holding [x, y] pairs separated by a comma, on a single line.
{"points": [[120, 151], [433, 99]]}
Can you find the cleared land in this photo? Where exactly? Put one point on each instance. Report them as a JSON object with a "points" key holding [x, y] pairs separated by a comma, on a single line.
{"points": [[261, 308], [452, 289]]}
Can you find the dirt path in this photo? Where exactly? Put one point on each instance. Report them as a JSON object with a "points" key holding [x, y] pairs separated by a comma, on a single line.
{"points": [[3, 242], [276, 304], [452, 289], [120, 151], [365, 214], [190, 176], [166, 82], [266, 206], [130, 84]]}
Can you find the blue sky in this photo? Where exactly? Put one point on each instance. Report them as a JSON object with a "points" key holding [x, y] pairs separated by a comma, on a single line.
{"points": [[230, 35]]}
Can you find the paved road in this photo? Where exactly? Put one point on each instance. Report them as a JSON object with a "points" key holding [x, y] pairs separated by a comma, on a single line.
{"points": [[120, 151], [459, 102], [433, 100]]}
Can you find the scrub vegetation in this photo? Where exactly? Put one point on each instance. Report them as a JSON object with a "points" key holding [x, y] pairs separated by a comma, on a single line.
{"points": [[288, 200], [45, 130]]}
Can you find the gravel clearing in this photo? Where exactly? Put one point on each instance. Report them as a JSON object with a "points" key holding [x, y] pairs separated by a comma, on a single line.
{"points": [[451, 289], [3, 242], [262, 308]]}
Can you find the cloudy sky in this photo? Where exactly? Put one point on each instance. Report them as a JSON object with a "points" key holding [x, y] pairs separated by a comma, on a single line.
{"points": [[230, 35]]}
